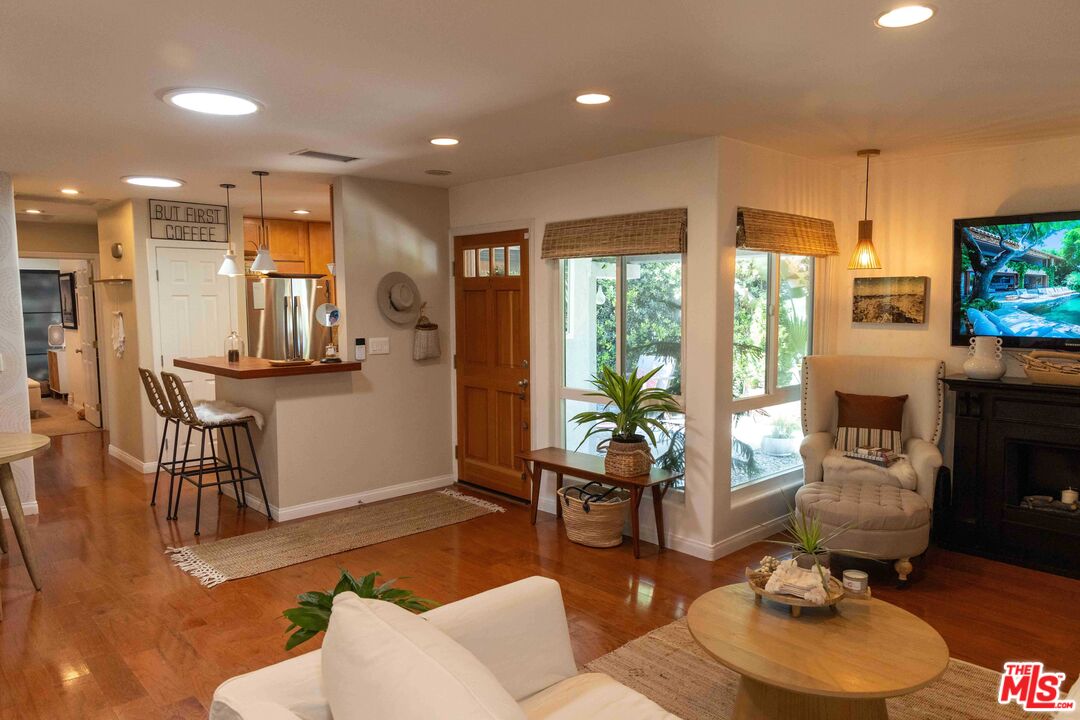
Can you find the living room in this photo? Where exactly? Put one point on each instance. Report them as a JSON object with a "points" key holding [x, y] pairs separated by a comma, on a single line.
{"points": [[707, 255]]}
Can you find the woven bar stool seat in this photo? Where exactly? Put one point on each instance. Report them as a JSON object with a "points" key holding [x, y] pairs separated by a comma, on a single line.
{"points": [[205, 418]]}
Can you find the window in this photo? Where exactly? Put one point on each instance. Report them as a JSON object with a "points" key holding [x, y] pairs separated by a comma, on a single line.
{"points": [[773, 332], [623, 313]]}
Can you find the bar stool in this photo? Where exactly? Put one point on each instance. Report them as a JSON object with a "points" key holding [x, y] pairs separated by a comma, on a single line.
{"points": [[158, 400], [188, 414]]}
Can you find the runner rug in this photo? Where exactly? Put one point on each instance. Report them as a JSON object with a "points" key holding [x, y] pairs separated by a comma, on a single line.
{"points": [[671, 669], [245, 555]]}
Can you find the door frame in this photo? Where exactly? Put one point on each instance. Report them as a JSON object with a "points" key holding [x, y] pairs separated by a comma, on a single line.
{"points": [[502, 226], [95, 270]]}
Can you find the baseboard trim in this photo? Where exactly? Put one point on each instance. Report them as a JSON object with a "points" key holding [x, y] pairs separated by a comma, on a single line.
{"points": [[696, 548], [131, 461], [317, 507], [28, 508]]}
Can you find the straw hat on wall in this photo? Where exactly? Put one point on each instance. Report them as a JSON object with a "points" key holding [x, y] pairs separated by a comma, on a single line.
{"points": [[398, 298]]}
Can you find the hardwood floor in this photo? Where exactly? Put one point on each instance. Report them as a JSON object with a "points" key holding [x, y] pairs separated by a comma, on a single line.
{"points": [[118, 632]]}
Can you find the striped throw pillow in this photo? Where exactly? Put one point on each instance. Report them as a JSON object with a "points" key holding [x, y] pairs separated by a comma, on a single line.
{"points": [[852, 438]]}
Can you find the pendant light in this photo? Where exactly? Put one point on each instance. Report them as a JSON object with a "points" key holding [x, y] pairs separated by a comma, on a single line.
{"points": [[865, 256], [263, 262], [229, 266]]}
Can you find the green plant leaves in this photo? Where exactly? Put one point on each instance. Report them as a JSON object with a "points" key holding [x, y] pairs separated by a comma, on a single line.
{"points": [[631, 408]]}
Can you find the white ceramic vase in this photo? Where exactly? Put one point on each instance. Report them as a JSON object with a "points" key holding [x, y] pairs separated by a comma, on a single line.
{"points": [[985, 362]]}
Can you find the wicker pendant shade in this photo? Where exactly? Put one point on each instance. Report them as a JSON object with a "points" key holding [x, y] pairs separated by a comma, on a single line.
{"points": [[865, 255], [778, 232], [645, 233]]}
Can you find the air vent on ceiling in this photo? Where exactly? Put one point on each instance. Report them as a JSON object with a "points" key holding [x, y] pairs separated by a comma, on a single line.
{"points": [[86, 202], [319, 155], [437, 172]]}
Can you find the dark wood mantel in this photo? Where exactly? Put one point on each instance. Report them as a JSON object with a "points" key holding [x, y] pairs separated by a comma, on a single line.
{"points": [[251, 368]]}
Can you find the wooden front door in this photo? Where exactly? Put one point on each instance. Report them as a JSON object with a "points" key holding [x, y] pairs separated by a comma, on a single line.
{"points": [[491, 285]]}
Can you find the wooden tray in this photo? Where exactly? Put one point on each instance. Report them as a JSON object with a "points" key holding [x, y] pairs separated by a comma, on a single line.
{"points": [[289, 363], [756, 580]]}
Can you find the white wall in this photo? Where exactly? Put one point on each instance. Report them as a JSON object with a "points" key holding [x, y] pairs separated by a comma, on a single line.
{"points": [[709, 177], [14, 401]]}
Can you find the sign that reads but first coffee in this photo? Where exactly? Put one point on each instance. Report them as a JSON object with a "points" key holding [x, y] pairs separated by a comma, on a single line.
{"points": [[171, 220]]}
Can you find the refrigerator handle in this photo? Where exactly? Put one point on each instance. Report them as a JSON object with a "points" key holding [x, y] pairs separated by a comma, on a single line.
{"points": [[285, 321], [296, 327]]}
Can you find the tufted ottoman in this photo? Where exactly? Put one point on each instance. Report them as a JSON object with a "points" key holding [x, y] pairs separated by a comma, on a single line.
{"points": [[882, 520]]}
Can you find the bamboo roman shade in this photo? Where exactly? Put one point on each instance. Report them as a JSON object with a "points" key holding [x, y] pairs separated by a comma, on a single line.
{"points": [[779, 232], [644, 233]]}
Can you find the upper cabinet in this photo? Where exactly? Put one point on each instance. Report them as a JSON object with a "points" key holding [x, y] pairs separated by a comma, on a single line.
{"points": [[297, 246]]}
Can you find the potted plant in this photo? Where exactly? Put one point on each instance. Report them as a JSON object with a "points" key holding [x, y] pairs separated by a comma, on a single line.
{"points": [[312, 616], [631, 415], [782, 438]]}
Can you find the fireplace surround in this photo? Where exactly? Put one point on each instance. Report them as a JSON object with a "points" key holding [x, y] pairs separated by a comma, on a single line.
{"points": [[1013, 438]]}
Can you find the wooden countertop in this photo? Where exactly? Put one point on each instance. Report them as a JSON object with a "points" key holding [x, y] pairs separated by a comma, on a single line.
{"points": [[250, 368]]}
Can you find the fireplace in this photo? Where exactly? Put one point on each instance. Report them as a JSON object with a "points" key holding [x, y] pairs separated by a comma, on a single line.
{"points": [[1014, 440]]}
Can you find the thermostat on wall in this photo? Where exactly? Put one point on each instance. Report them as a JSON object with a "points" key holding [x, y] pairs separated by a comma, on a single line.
{"points": [[361, 349]]}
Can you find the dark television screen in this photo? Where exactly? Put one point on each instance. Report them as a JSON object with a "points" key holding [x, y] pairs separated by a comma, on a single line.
{"points": [[1018, 277]]}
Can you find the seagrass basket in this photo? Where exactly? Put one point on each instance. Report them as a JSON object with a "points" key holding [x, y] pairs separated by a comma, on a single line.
{"points": [[627, 459], [594, 519]]}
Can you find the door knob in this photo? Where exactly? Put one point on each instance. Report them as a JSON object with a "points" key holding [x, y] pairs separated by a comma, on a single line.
{"points": [[524, 383]]}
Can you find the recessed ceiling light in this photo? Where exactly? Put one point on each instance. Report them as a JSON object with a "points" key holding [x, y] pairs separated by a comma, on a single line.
{"points": [[211, 102], [905, 16], [593, 98], [301, 211], [445, 141], [151, 181], [69, 191], [32, 211]]}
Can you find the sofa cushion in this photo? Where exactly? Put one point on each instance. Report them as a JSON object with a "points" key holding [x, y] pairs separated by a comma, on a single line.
{"points": [[863, 505], [870, 411], [836, 467], [381, 661], [595, 696]]}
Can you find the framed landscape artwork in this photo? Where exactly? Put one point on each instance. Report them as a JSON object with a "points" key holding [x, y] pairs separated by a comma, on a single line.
{"points": [[890, 300]]}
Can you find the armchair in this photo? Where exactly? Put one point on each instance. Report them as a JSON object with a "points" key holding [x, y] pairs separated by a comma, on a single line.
{"points": [[887, 514]]}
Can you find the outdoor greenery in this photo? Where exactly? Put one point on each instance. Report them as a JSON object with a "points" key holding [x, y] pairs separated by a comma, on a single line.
{"points": [[1022, 238], [312, 616], [631, 407]]}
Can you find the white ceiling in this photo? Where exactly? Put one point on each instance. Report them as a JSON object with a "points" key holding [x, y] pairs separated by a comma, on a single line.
{"points": [[376, 79]]}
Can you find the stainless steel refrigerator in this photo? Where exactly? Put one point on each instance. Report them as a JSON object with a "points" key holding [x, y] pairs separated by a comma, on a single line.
{"points": [[281, 317]]}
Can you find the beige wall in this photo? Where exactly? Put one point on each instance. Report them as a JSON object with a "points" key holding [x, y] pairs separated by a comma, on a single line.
{"points": [[396, 412], [14, 402], [711, 178], [57, 237]]}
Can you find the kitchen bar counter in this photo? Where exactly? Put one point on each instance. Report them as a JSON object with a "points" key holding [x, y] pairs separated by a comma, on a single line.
{"points": [[251, 368]]}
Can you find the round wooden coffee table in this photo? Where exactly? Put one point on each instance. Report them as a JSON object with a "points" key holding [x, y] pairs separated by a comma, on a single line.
{"points": [[820, 665]]}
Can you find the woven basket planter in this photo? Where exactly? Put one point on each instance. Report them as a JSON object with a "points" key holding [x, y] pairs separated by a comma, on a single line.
{"points": [[597, 523], [628, 459]]}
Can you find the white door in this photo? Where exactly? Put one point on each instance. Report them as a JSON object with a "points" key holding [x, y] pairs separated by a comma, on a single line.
{"points": [[88, 347], [196, 309]]}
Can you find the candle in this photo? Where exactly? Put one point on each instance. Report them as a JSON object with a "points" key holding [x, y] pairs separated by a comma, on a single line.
{"points": [[1069, 496], [855, 581]]}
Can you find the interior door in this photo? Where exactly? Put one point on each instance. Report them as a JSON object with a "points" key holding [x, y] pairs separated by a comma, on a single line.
{"points": [[491, 285], [196, 311], [88, 346]]}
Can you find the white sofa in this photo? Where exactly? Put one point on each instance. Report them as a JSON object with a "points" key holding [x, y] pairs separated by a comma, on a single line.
{"points": [[518, 632], [887, 513]]}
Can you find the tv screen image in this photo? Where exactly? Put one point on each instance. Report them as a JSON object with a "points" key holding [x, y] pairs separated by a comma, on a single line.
{"points": [[1018, 278]]}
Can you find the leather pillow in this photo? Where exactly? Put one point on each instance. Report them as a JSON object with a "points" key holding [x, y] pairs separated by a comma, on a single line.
{"points": [[880, 412], [381, 661]]}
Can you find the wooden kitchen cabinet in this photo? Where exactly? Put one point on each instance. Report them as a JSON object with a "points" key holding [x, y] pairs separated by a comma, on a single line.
{"points": [[297, 246]]}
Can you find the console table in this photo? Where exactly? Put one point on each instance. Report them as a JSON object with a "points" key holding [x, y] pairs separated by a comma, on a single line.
{"points": [[1013, 438], [591, 467]]}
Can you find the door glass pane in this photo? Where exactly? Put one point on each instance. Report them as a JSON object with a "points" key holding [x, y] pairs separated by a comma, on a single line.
{"points": [[514, 260], [795, 313], [484, 267], [765, 443], [588, 319], [498, 261], [751, 323], [652, 328], [469, 263]]}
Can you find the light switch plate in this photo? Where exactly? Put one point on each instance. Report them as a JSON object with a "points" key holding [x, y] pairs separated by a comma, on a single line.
{"points": [[379, 345]]}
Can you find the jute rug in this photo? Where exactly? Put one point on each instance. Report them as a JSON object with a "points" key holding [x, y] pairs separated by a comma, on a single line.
{"points": [[671, 669], [254, 553]]}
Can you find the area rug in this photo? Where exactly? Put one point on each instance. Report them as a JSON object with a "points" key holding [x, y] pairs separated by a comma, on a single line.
{"points": [[670, 668], [254, 553]]}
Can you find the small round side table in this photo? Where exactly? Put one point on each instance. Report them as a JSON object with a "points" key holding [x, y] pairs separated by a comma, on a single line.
{"points": [[16, 446]]}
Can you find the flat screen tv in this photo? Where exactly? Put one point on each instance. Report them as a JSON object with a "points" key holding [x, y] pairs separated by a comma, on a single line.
{"points": [[1018, 277]]}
